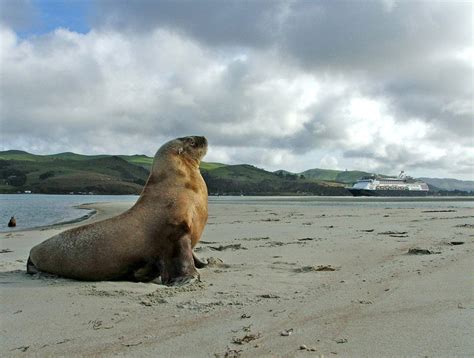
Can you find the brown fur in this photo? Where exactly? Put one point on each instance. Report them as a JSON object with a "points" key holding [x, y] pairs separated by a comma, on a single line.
{"points": [[155, 237]]}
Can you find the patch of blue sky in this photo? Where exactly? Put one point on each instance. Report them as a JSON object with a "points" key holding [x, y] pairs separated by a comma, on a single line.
{"points": [[53, 14]]}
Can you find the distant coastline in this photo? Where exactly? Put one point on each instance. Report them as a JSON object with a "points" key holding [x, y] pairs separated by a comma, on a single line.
{"points": [[70, 173]]}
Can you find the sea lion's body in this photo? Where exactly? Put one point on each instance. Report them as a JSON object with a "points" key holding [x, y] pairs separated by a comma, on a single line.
{"points": [[153, 238]]}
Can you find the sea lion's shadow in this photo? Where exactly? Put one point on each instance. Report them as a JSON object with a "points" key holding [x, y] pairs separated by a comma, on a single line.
{"points": [[20, 278]]}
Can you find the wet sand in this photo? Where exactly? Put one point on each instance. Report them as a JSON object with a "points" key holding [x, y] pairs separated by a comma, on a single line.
{"points": [[283, 281]]}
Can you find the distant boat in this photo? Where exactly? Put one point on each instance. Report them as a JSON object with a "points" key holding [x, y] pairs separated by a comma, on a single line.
{"points": [[402, 185]]}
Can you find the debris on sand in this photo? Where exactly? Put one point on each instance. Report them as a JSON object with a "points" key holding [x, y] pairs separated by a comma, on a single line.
{"points": [[226, 247], [269, 295], [417, 251], [216, 262], [97, 324], [341, 340], [247, 338], [22, 348], [439, 211], [393, 233], [255, 238], [152, 301], [229, 353], [4, 251], [467, 226], [304, 347], [326, 268], [316, 268], [367, 230], [286, 332], [307, 239], [273, 244], [456, 242]]}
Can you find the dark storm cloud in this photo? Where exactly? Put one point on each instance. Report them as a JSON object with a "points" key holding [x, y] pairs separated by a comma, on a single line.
{"points": [[370, 36], [324, 34], [395, 47], [215, 22]]}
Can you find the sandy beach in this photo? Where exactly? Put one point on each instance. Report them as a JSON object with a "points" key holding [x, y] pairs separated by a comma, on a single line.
{"points": [[283, 281]]}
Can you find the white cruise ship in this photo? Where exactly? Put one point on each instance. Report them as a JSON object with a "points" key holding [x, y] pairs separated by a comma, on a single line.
{"points": [[402, 185]]}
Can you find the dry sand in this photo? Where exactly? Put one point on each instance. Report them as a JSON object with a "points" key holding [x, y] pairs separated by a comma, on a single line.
{"points": [[297, 281]]}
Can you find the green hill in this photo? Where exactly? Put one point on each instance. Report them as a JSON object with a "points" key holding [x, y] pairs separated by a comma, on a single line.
{"points": [[69, 172], [126, 174], [249, 180], [346, 177]]}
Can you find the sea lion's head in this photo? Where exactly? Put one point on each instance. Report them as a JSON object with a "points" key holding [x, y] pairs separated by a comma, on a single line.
{"points": [[192, 148]]}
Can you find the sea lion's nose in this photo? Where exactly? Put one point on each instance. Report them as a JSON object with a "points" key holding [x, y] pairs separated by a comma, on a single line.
{"points": [[200, 141]]}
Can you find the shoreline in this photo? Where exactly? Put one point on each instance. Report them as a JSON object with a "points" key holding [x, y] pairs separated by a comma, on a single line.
{"points": [[339, 281], [61, 224], [94, 207]]}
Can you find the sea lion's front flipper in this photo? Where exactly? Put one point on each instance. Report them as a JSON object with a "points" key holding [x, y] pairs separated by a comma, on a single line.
{"points": [[198, 263], [178, 263]]}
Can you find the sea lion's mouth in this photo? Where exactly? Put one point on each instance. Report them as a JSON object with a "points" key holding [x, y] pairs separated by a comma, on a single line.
{"points": [[200, 141]]}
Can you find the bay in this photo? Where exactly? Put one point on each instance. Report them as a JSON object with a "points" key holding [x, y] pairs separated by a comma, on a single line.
{"points": [[39, 210]]}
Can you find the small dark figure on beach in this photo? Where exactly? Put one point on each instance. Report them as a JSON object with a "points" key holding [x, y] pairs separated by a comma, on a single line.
{"points": [[12, 222]]}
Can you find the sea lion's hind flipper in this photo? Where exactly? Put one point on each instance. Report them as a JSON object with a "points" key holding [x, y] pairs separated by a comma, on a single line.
{"points": [[145, 273], [30, 267], [198, 263]]}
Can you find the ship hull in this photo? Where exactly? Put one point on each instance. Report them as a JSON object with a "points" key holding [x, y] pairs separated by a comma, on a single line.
{"points": [[366, 192]]}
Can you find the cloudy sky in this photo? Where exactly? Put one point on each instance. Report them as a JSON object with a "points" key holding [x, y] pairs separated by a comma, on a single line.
{"points": [[380, 86]]}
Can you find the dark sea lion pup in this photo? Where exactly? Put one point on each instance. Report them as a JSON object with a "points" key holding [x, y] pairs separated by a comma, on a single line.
{"points": [[12, 222], [153, 238]]}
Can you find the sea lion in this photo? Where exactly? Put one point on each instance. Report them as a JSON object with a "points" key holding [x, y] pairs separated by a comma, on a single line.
{"points": [[153, 238], [12, 222]]}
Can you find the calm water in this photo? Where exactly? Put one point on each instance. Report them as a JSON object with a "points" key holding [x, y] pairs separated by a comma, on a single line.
{"points": [[35, 210]]}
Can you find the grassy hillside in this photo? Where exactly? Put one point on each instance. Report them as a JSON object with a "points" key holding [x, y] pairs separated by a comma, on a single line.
{"points": [[137, 159], [450, 184], [126, 174], [347, 177], [54, 174], [249, 180]]}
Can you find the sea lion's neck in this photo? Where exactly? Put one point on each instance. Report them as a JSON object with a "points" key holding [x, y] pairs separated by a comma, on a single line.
{"points": [[167, 172]]}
